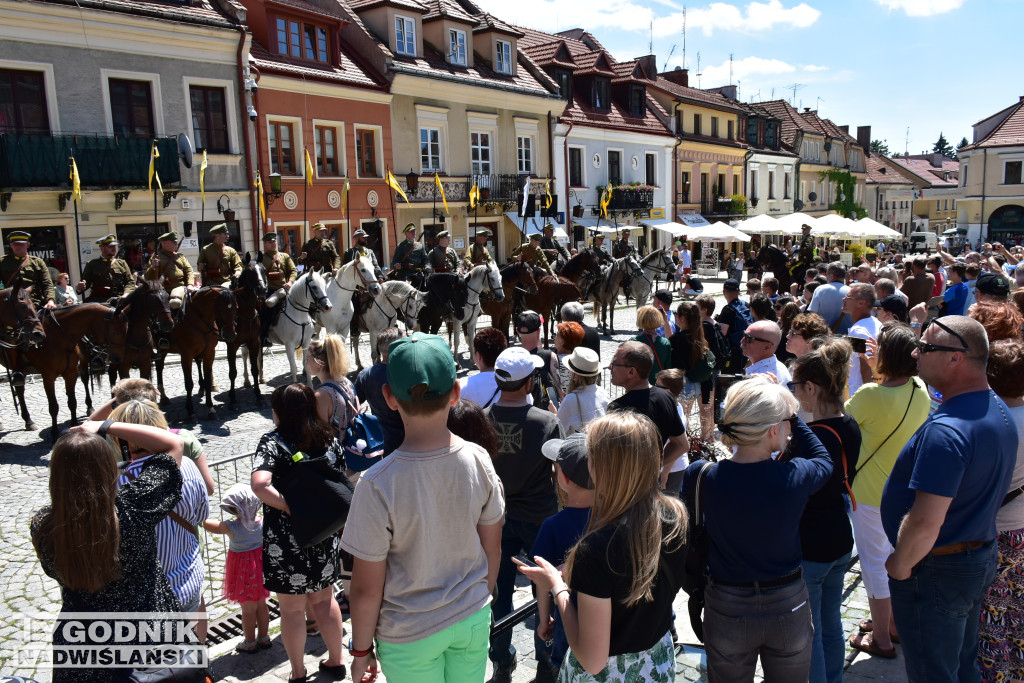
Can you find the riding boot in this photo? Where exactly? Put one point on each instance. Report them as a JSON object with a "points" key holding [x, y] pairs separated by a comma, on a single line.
{"points": [[265, 327]]}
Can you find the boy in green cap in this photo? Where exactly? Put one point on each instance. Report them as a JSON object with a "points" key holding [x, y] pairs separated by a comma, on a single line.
{"points": [[438, 551]]}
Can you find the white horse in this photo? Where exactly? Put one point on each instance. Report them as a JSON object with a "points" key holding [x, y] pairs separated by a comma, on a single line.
{"points": [[396, 299], [294, 327], [655, 264], [483, 278], [355, 274]]}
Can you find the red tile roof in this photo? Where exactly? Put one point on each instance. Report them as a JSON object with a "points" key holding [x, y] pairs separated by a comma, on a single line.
{"points": [[932, 175], [1009, 132], [326, 11], [433, 64], [447, 9], [347, 72], [792, 122], [616, 118], [489, 22], [203, 12], [552, 53], [412, 5], [626, 72], [704, 97], [826, 127], [881, 172]]}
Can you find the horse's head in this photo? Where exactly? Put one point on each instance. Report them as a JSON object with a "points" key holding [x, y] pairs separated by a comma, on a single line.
{"points": [[526, 279], [225, 313], [768, 254], [156, 303], [633, 267], [414, 303], [493, 278], [316, 289], [364, 269], [254, 278], [18, 313]]}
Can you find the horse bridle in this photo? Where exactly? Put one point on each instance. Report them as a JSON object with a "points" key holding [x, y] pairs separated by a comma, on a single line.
{"points": [[398, 311], [490, 288], [662, 270], [94, 348], [22, 337], [361, 279]]}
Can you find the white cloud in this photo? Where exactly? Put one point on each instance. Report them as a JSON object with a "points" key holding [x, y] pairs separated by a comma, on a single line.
{"points": [[559, 15], [750, 69], [921, 8], [720, 16]]}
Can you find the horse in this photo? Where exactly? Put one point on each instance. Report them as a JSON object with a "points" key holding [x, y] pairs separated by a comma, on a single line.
{"points": [[446, 296], [294, 326], [250, 295], [582, 269], [516, 277], [484, 278], [552, 292], [66, 328], [605, 293], [147, 303], [658, 262], [208, 316], [356, 274], [774, 259], [20, 325], [397, 298]]}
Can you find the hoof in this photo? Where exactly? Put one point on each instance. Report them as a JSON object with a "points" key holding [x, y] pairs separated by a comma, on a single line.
{"points": [[214, 387], [247, 384], [30, 426], [164, 401], [211, 414]]}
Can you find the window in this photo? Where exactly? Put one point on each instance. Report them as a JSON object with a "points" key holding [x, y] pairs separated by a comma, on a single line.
{"points": [[769, 134], [771, 184], [23, 102], [945, 205], [524, 153], [751, 131], [736, 189], [430, 149], [366, 153], [504, 60], [131, 107], [728, 127], [938, 204], [301, 40], [963, 177], [752, 187], [601, 94], [564, 81], [803, 188], [480, 153], [209, 120], [457, 47], [1012, 173], [785, 186], [650, 167], [326, 143], [282, 154], [684, 184], [696, 124], [614, 167], [575, 167], [721, 184], [637, 101], [814, 191], [714, 126], [405, 36]]}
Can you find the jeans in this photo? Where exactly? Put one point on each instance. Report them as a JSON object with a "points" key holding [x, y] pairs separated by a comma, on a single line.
{"points": [[516, 539], [825, 593], [742, 623], [937, 612]]}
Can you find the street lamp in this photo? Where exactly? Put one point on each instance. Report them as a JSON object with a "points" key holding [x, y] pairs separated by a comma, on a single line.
{"points": [[412, 181], [275, 188]]}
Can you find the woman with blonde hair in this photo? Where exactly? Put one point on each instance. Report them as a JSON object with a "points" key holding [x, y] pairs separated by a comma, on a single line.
{"points": [[648, 320], [756, 602], [336, 400], [624, 572]]}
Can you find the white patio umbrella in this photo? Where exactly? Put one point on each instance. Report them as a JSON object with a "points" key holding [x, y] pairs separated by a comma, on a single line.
{"points": [[760, 224], [718, 232], [834, 225], [792, 224], [872, 228]]}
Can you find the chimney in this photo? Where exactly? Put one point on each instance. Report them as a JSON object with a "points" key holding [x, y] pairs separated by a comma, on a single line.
{"points": [[864, 137], [650, 65], [679, 76], [845, 129], [727, 91]]}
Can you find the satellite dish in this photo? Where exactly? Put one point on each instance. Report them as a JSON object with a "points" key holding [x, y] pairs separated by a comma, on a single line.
{"points": [[185, 150], [798, 204], [813, 196]]}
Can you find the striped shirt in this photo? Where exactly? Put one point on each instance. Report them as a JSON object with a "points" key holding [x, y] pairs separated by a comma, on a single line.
{"points": [[178, 549]]}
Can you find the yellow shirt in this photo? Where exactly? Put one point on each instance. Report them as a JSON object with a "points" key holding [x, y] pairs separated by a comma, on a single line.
{"points": [[878, 409]]}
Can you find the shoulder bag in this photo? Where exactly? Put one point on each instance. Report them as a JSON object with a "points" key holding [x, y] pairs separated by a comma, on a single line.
{"points": [[318, 494], [913, 386], [842, 455], [695, 574]]}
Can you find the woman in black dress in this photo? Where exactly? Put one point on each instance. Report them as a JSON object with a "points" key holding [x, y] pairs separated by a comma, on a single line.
{"points": [[98, 542], [295, 573]]}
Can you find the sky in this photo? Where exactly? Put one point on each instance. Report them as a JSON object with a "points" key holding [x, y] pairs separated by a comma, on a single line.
{"points": [[929, 66]]}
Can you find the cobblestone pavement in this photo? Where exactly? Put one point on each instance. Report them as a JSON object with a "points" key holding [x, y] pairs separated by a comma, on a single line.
{"points": [[24, 458]]}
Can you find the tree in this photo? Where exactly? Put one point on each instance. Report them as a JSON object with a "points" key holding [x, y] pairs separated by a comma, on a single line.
{"points": [[943, 147], [960, 145], [880, 148]]}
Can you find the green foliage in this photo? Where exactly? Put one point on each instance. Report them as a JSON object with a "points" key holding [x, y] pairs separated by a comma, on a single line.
{"points": [[880, 148], [739, 204], [943, 147], [845, 184]]}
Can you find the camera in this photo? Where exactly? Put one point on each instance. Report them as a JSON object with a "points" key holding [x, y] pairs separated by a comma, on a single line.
{"points": [[251, 110]]}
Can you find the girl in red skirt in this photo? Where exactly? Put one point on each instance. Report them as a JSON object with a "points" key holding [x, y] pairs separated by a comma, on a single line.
{"points": [[243, 571]]}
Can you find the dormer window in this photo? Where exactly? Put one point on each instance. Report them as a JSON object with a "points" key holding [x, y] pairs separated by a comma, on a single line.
{"points": [[302, 40], [600, 94], [564, 80], [457, 47], [637, 101], [504, 57], [769, 135], [405, 36], [752, 131]]}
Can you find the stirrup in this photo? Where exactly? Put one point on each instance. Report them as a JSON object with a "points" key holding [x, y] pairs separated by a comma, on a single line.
{"points": [[17, 379], [163, 343]]}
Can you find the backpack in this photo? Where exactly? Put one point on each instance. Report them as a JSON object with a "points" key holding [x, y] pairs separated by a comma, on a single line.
{"points": [[743, 318], [704, 368], [362, 438], [695, 571], [720, 346], [542, 381]]}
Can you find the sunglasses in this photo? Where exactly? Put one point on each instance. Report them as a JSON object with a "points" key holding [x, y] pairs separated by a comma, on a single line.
{"points": [[944, 328], [791, 420], [924, 347], [749, 338], [793, 385]]}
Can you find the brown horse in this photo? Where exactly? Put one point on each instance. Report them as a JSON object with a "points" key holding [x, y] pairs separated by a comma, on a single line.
{"points": [[19, 321], [552, 292], [143, 306], [516, 280], [582, 270], [250, 295], [67, 328], [209, 316]]}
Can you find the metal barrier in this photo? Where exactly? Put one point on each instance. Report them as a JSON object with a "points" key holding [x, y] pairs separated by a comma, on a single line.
{"points": [[226, 472]]}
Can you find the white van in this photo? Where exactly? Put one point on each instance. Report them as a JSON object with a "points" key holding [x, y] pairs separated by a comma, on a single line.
{"points": [[923, 241]]}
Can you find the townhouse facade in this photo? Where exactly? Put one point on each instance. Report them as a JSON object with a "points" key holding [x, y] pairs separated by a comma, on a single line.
{"points": [[771, 170], [890, 195], [936, 190]]}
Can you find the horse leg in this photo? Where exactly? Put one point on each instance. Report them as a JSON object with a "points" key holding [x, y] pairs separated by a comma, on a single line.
{"points": [[70, 382], [255, 352], [49, 384], [207, 359], [290, 352], [245, 368], [186, 369], [374, 356], [455, 327], [232, 374], [29, 424], [164, 401]]}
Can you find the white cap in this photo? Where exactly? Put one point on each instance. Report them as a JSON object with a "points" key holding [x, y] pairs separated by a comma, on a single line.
{"points": [[516, 363]]}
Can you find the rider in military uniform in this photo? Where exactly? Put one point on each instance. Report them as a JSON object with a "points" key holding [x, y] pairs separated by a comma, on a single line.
{"points": [[280, 276], [804, 255], [552, 247], [623, 247], [107, 277], [409, 256], [599, 252], [532, 254], [219, 263], [17, 266], [360, 250], [173, 267], [444, 259], [319, 251], [477, 252]]}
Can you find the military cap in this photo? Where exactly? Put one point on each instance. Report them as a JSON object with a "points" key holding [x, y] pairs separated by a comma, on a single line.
{"points": [[599, 236], [110, 240], [535, 237], [19, 236], [625, 231], [548, 226], [171, 236], [442, 234], [219, 229], [360, 233], [408, 227], [318, 226], [270, 237], [805, 226], [483, 231]]}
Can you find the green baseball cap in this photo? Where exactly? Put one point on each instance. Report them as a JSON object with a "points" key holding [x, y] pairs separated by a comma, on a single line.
{"points": [[420, 359]]}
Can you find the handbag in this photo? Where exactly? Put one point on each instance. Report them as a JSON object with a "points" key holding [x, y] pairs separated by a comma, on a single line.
{"points": [[913, 386], [364, 442], [318, 494], [705, 367]]}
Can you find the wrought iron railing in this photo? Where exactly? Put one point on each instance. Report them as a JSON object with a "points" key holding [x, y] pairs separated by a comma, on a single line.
{"points": [[103, 160], [627, 199], [718, 206], [497, 187]]}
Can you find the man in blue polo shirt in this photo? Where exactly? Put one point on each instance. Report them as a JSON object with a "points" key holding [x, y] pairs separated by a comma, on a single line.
{"points": [[939, 506]]}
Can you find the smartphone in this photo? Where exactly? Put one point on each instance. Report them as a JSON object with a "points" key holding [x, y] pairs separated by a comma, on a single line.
{"points": [[524, 560], [553, 396], [858, 344]]}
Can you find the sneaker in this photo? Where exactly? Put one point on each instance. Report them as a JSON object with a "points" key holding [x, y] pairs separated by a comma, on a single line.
{"points": [[503, 674]]}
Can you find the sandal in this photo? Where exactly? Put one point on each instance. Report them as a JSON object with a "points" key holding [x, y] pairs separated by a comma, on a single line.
{"points": [[867, 644], [264, 643], [867, 626], [247, 648]]}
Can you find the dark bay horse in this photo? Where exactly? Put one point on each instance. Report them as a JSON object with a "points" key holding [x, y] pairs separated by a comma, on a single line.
{"points": [[582, 270], [774, 259], [516, 279], [447, 294], [20, 328], [209, 316], [144, 307], [250, 295], [552, 292], [59, 355]]}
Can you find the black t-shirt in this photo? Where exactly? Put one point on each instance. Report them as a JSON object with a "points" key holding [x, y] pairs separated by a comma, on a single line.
{"points": [[602, 569], [591, 339], [655, 403], [524, 471], [682, 347], [695, 284]]}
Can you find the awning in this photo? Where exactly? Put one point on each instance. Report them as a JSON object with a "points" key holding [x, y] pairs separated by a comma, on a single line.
{"points": [[693, 220], [606, 227], [535, 225], [665, 225], [718, 232]]}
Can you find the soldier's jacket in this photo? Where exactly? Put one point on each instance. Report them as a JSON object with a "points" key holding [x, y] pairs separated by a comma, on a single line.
{"points": [[218, 267], [320, 253], [444, 259], [409, 256], [280, 269], [174, 268], [549, 244], [32, 273], [351, 252], [534, 256], [622, 248], [601, 255], [107, 278], [806, 252], [476, 254]]}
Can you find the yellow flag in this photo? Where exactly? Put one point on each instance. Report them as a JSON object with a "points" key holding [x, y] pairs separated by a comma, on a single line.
{"points": [[606, 199], [309, 169], [258, 184], [474, 196], [393, 184], [344, 196], [437, 181], [202, 178], [547, 195], [76, 182], [153, 156]]}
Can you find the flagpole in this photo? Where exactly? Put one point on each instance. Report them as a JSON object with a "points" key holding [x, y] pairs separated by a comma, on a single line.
{"points": [[305, 187], [78, 237], [391, 194]]}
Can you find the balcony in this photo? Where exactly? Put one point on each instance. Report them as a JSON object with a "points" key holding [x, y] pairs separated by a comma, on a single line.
{"points": [[104, 161], [499, 187], [720, 207], [631, 199]]}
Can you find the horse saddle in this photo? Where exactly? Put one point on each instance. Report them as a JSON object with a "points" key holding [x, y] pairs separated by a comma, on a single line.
{"points": [[362, 300]]}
